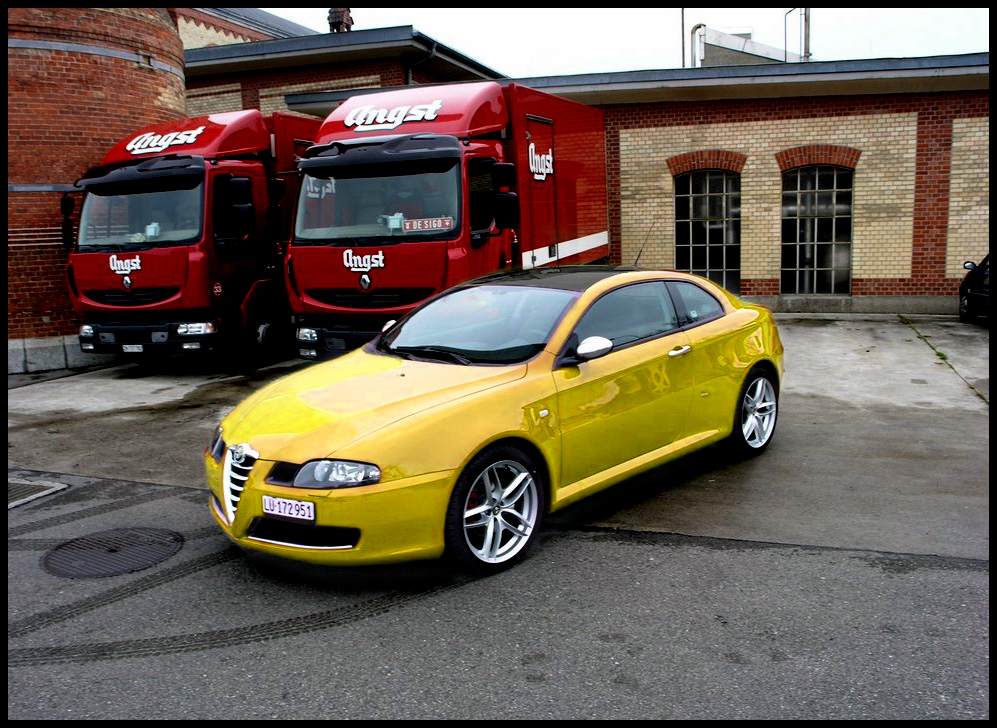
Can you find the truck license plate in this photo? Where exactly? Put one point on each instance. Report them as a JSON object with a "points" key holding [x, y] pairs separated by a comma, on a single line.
{"points": [[131, 348], [287, 508]]}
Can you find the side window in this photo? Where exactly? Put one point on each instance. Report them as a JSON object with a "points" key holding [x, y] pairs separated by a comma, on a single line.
{"points": [[630, 314], [708, 226], [481, 193], [698, 305], [817, 230], [234, 213]]}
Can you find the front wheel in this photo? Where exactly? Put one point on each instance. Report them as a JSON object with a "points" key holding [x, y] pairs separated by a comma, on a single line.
{"points": [[757, 412], [495, 511]]}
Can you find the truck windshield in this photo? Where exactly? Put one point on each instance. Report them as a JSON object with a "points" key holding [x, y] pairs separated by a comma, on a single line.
{"points": [[352, 210], [141, 220]]}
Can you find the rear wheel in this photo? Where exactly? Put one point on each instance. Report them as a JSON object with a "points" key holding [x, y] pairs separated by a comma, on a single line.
{"points": [[495, 510], [757, 412], [966, 314]]}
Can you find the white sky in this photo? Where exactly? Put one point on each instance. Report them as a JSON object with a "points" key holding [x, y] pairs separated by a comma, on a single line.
{"points": [[522, 42]]}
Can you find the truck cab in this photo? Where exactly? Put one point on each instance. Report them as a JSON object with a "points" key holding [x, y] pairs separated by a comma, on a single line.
{"points": [[181, 234], [407, 193]]}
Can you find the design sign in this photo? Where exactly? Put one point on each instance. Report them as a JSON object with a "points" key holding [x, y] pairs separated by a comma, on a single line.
{"points": [[372, 118], [150, 143], [541, 164], [124, 266], [363, 263]]}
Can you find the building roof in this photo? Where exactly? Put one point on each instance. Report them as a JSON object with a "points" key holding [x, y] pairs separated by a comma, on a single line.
{"points": [[256, 19], [401, 42], [827, 78]]}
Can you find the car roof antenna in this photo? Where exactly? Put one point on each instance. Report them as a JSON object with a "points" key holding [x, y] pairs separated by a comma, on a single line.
{"points": [[643, 245]]}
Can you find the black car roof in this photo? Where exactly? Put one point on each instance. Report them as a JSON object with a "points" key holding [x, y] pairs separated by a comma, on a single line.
{"points": [[568, 278]]}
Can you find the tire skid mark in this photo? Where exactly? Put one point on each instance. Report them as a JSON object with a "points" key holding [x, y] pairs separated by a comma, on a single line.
{"points": [[44, 544], [231, 637], [68, 611], [89, 512]]}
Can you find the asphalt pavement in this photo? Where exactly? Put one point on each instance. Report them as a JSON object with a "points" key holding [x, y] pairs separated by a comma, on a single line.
{"points": [[844, 574]]}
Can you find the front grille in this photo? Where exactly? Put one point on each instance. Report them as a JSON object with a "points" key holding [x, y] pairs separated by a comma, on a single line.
{"points": [[239, 462], [135, 297], [378, 298], [272, 530]]}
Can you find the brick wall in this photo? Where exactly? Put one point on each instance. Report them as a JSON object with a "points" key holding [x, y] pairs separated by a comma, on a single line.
{"points": [[66, 107], [265, 90], [922, 174]]}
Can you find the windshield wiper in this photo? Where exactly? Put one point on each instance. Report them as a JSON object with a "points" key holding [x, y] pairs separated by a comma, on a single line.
{"points": [[115, 247], [423, 350]]}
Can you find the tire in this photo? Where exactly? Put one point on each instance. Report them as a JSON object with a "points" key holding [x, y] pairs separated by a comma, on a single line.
{"points": [[495, 511], [966, 314], [757, 414]]}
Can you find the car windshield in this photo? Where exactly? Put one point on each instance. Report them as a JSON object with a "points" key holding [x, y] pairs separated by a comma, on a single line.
{"points": [[488, 324], [400, 207], [141, 220]]}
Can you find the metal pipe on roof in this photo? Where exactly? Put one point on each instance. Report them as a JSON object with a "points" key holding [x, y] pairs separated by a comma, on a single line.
{"points": [[692, 43]]}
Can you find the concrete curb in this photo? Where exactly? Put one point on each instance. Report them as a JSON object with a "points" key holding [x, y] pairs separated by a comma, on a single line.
{"points": [[51, 353]]}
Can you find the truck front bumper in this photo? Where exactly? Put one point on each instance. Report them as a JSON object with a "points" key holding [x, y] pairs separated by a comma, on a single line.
{"points": [[162, 337]]}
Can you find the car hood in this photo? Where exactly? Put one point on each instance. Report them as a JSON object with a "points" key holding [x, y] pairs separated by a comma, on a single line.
{"points": [[319, 410]]}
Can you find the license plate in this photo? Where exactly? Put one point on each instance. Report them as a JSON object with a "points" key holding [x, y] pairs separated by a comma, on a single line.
{"points": [[131, 348], [287, 508]]}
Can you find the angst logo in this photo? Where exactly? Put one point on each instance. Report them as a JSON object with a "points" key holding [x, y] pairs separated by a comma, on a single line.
{"points": [[125, 266], [363, 263], [372, 118], [150, 143], [541, 164]]}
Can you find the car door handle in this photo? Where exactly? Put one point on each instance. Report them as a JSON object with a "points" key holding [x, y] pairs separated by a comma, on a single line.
{"points": [[679, 351]]}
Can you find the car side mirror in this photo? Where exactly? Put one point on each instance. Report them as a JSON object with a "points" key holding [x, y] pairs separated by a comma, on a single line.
{"points": [[969, 265], [593, 347], [388, 325]]}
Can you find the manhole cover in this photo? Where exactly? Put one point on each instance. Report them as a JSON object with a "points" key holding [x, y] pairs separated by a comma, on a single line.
{"points": [[110, 553]]}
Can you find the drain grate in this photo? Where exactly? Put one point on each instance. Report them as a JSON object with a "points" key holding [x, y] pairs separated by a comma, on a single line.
{"points": [[111, 553], [20, 491]]}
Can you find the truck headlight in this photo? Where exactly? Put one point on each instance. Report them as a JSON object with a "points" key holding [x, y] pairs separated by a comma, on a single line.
{"points": [[204, 327], [336, 474], [86, 330], [307, 335]]}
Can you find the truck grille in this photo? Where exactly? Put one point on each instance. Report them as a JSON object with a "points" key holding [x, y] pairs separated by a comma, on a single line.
{"points": [[239, 462], [378, 298], [137, 297]]}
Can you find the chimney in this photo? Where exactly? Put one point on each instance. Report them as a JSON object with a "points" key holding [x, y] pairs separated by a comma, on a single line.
{"points": [[340, 20]]}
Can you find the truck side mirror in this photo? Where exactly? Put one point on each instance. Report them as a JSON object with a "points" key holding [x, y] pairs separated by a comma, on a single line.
{"points": [[506, 210], [503, 175]]}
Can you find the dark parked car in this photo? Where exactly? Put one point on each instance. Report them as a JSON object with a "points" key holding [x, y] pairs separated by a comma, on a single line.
{"points": [[974, 293]]}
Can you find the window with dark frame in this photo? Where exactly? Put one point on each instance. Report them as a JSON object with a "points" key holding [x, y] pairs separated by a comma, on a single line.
{"points": [[817, 230], [708, 226]]}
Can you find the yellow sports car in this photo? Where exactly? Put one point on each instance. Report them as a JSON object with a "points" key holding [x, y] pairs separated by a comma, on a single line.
{"points": [[457, 429]]}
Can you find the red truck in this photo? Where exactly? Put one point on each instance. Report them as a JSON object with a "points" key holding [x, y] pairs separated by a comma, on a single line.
{"points": [[409, 192], [181, 233]]}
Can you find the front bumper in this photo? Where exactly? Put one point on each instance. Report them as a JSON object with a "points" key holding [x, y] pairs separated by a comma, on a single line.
{"points": [[331, 336], [109, 338], [390, 522]]}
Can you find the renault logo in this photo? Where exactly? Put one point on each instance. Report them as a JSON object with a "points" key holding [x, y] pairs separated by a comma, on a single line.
{"points": [[365, 281], [127, 282]]}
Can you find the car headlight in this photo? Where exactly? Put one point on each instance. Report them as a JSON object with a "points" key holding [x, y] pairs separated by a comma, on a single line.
{"points": [[86, 330], [307, 335], [217, 445], [336, 474]]}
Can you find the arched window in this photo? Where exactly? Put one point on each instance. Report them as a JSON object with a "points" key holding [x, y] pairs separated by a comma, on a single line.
{"points": [[708, 226], [817, 230]]}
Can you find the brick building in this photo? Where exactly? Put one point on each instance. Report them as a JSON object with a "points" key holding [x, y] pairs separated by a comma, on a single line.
{"points": [[841, 186]]}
